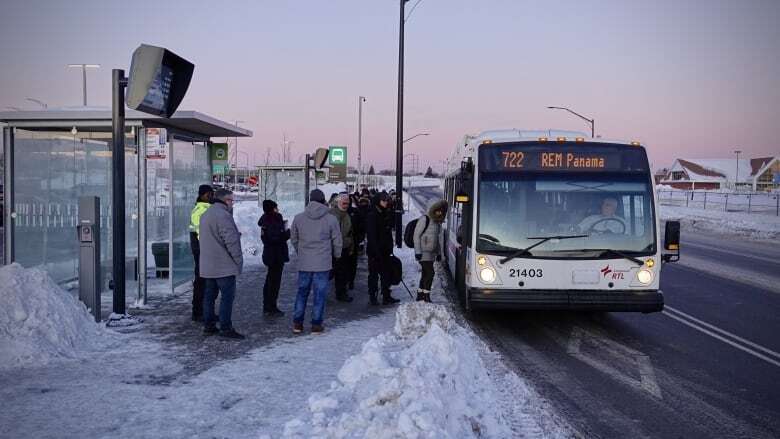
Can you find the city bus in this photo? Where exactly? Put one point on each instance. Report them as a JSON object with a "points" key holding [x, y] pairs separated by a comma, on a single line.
{"points": [[554, 220]]}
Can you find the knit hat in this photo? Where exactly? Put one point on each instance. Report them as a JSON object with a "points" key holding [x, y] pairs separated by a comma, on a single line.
{"points": [[317, 195], [269, 206], [204, 189]]}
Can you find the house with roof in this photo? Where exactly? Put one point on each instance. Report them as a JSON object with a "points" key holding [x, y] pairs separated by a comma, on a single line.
{"points": [[757, 174]]}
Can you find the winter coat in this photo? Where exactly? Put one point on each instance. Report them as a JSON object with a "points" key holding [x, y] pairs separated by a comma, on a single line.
{"points": [[358, 218], [379, 231], [316, 237], [345, 225], [426, 239], [220, 243], [274, 238]]}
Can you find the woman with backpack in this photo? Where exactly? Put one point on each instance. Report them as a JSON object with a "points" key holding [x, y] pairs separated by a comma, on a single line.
{"points": [[274, 234], [426, 246]]}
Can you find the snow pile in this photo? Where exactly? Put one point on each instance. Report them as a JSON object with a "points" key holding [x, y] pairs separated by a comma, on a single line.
{"points": [[39, 321], [757, 226], [425, 379]]}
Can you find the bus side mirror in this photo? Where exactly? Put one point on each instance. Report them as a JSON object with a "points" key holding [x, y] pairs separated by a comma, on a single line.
{"points": [[671, 242]]}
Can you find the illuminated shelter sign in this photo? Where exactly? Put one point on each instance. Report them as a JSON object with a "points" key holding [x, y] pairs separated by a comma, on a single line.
{"points": [[158, 80], [562, 157]]}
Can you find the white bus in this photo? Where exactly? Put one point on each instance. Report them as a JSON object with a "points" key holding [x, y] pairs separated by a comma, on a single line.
{"points": [[554, 220]]}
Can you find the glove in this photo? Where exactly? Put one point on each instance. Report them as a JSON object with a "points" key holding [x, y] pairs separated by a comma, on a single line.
{"points": [[418, 256], [438, 258]]}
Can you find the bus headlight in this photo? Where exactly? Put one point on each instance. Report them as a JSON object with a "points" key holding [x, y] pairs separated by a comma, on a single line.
{"points": [[644, 276], [487, 275]]}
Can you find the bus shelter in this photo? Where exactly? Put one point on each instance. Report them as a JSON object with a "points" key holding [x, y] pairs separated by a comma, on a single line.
{"points": [[53, 157]]}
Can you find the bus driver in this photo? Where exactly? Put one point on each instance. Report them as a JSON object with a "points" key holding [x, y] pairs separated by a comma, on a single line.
{"points": [[606, 221]]}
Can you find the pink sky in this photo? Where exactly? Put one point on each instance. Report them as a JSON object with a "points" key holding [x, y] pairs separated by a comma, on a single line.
{"points": [[687, 78]]}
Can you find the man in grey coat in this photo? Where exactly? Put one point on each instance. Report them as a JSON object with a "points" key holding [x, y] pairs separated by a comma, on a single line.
{"points": [[316, 237], [221, 260]]}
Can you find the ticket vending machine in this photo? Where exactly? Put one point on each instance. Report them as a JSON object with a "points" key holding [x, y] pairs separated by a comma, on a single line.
{"points": [[89, 254]]}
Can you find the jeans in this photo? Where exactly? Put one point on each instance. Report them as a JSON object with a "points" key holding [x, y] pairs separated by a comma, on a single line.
{"points": [[307, 279], [226, 286], [273, 281], [426, 278]]}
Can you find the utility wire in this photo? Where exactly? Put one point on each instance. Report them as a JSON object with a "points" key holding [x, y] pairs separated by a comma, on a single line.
{"points": [[412, 10]]}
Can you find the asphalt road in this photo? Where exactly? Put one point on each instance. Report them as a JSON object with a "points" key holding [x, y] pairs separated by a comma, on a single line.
{"points": [[708, 366]]}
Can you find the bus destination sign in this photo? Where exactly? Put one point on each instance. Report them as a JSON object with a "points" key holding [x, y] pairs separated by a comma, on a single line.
{"points": [[516, 158]]}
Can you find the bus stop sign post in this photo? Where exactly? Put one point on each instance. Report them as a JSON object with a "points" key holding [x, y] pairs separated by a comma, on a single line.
{"points": [[157, 84]]}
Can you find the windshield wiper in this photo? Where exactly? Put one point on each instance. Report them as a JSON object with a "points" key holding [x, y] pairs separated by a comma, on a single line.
{"points": [[526, 251], [611, 252]]}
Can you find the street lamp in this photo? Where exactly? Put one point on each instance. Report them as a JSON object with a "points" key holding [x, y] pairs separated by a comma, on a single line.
{"points": [[416, 135], [361, 99], [42, 104], [736, 176], [84, 76], [590, 121]]}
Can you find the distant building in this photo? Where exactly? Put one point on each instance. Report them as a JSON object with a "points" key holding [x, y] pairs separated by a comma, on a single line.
{"points": [[758, 174]]}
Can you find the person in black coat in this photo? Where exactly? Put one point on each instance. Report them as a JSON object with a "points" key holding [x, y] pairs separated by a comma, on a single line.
{"points": [[274, 235], [379, 247], [358, 217]]}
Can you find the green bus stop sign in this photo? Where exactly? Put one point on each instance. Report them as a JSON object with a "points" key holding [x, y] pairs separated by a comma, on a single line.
{"points": [[337, 155]]}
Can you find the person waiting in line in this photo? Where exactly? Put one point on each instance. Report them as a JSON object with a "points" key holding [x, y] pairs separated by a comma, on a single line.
{"points": [[221, 261], [341, 265], [379, 248], [316, 237], [426, 246], [203, 202], [274, 234], [358, 216], [606, 221]]}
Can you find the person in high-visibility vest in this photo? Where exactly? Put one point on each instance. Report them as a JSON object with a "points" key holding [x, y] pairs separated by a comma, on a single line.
{"points": [[205, 195]]}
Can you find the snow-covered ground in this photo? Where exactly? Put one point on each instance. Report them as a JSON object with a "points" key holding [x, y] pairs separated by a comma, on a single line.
{"points": [[410, 373], [755, 226]]}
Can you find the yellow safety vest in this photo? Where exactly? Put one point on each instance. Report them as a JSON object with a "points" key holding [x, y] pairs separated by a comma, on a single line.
{"points": [[199, 209]]}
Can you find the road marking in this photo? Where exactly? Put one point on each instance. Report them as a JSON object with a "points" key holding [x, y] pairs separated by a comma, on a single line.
{"points": [[721, 335], [646, 382]]}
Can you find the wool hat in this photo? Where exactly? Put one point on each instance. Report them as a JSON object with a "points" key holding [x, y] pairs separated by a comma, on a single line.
{"points": [[317, 195], [269, 206], [204, 189]]}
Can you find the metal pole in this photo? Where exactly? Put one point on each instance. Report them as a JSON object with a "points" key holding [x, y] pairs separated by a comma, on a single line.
{"points": [[399, 153], [705, 200], [119, 82], [9, 220], [306, 181], [592, 128], [749, 199], [360, 141], [141, 216], [84, 79]]}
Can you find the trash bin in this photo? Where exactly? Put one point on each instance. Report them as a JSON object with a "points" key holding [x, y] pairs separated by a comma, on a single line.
{"points": [[160, 251]]}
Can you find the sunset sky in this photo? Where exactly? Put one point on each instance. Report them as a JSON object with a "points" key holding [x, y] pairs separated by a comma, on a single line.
{"points": [[687, 78]]}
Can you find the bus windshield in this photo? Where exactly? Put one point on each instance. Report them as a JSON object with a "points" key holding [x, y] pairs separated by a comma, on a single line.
{"points": [[614, 210]]}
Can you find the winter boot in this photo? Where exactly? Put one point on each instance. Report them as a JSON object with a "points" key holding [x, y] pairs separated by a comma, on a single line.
{"points": [[344, 297], [427, 296], [420, 295], [387, 299], [372, 298]]}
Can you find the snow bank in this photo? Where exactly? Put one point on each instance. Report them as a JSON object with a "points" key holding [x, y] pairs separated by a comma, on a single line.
{"points": [[39, 321], [756, 226], [425, 379]]}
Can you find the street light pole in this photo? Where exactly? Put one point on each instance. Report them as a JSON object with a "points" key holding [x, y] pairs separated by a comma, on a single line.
{"points": [[399, 153], [235, 171], [361, 99], [592, 122], [84, 76], [736, 176]]}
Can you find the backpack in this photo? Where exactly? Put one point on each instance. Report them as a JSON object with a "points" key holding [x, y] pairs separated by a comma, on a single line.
{"points": [[409, 230], [395, 270]]}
